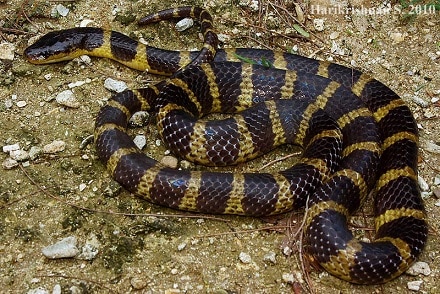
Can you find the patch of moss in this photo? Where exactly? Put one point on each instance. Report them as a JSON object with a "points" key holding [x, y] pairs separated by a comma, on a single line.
{"points": [[120, 249], [125, 18], [25, 234], [74, 221]]}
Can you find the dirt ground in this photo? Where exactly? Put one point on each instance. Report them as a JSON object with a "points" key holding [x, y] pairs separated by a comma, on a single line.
{"points": [[144, 248]]}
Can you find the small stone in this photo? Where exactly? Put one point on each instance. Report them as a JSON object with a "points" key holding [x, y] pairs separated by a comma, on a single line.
{"points": [[39, 290], [62, 249], [19, 155], [437, 180], [8, 103], [85, 23], [287, 251], [138, 283], [21, 104], [34, 152], [7, 51], [140, 141], [244, 258], [397, 37], [288, 278], [114, 85], [184, 24], [54, 147], [318, 23], [419, 267], [423, 184], [87, 61], [56, 289], [334, 35], [169, 161], [62, 10], [67, 98], [415, 285], [9, 163], [82, 187], [419, 101], [9, 148], [174, 271], [431, 147], [181, 246], [271, 257], [76, 84]]}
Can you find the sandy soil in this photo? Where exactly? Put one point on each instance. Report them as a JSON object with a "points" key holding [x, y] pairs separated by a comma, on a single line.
{"points": [[140, 249]]}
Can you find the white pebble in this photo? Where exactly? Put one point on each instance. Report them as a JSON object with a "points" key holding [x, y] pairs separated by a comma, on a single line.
{"points": [[397, 37], [62, 249], [431, 147], [419, 267], [38, 290], [318, 23], [140, 141], [9, 148], [34, 152], [158, 142], [334, 35], [82, 187], [54, 147], [288, 278], [48, 76], [181, 246], [287, 251], [67, 98], [19, 155], [114, 85], [437, 180], [9, 163], [21, 103], [56, 289], [244, 257], [86, 60], [415, 285], [62, 10], [184, 24], [419, 101], [7, 51], [423, 184], [76, 84], [8, 103], [271, 257], [85, 22]]}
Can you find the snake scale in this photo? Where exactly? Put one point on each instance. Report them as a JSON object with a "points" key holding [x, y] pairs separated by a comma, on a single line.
{"points": [[358, 136]]}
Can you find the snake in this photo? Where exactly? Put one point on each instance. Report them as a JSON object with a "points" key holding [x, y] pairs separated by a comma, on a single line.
{"points": [[358, 138]]}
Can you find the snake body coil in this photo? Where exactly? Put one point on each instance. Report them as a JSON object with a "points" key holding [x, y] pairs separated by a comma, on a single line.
{"points": [[358, 136]]}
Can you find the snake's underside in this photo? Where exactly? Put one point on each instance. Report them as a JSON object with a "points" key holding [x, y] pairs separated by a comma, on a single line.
{"points": [[358, 136]]}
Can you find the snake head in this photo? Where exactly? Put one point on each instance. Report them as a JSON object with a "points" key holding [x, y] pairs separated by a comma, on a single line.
{"points": [[63, 45]]}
